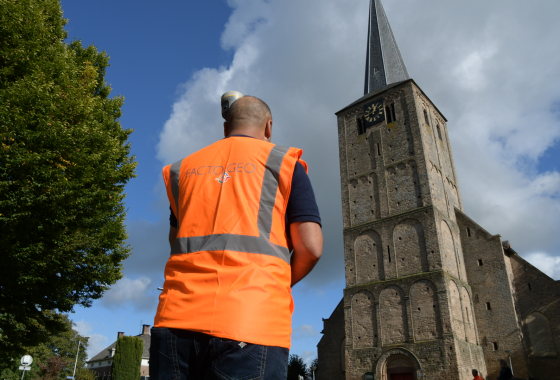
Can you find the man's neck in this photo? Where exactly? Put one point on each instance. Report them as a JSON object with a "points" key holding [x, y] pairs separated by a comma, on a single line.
{"points": [[249, 132]]}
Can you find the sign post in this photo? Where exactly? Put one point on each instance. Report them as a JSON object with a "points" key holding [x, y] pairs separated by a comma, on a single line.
{"points": [[25, 361]]}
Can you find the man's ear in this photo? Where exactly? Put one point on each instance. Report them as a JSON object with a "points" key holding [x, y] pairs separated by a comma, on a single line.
{"points": [[225, 129], [268, 130]]}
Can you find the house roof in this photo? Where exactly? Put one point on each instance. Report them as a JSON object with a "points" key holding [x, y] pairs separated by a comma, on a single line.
{"points": [[106, 353]]}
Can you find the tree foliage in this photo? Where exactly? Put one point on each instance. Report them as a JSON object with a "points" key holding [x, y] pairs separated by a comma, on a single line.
{"points": [[85, 374], [128, 358], [64, 162], [53, 367], [296, 368], [53, 359]]}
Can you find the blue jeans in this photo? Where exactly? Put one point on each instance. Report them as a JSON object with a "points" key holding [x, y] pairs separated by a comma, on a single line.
{"points": [[186, 355]]}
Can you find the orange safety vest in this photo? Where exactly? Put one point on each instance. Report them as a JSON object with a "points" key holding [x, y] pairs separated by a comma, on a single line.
{"points": [[229, 272]]}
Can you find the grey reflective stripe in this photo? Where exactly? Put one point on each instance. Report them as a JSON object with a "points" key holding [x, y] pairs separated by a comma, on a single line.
{"points": [[174, 179], [230, 242], [269, 189]]}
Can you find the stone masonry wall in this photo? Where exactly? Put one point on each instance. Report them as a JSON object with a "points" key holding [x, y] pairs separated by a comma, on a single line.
{"points": [[331, 357], [499, 328], [409, 312], [380, 172], [539, 310], [405, 276]]}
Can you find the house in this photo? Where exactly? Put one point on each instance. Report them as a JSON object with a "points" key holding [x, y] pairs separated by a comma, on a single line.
{"points": [[102, 362]]}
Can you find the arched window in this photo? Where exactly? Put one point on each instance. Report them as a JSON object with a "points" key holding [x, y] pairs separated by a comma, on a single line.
{"points": [[540, 335]]}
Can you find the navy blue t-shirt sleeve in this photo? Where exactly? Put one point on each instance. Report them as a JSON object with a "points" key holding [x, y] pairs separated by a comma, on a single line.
{"points": [[302, 206]]}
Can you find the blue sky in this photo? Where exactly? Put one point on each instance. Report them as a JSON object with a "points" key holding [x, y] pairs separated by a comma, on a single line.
{"points": [[492, 69]]}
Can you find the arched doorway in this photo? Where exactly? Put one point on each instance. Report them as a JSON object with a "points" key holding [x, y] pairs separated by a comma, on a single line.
{"points": [[400, 367]]}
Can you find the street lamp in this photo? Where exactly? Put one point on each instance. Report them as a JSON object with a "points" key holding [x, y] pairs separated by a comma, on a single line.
{"points": [[314, 368], [76, 362], [509, 352]]}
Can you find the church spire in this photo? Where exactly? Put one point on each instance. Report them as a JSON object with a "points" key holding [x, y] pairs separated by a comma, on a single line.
{"points": [[384, 64]]}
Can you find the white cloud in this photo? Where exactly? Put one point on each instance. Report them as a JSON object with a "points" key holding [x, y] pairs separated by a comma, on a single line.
{"points": [[545, 263], [304, 331], [96, 342], [139, 293], [308, 356], [489, 67]]}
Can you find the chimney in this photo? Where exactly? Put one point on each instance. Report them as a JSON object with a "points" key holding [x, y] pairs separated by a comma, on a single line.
{"points": [[145, 329], [120, 334]]}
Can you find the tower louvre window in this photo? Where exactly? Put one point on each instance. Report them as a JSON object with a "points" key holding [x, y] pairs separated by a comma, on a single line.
{"points": [[426, 117], [361, 125], [390, 112], [439, 132]]}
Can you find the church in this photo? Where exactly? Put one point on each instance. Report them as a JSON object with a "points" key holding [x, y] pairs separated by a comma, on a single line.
{"points": [[429, 294]]}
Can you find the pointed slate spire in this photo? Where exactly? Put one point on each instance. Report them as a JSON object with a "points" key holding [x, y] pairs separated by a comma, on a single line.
{"points": [[384, 63]]}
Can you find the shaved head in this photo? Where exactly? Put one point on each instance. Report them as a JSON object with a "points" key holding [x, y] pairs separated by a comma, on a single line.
{"points": [[248, 112]]}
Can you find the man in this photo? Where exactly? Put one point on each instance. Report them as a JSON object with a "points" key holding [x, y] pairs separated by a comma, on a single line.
{"points": [[476, 376], [241, 204], [505, 372]]}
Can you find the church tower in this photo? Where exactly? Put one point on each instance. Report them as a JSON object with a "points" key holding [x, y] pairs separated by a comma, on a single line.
{"points": [[408, 306]]}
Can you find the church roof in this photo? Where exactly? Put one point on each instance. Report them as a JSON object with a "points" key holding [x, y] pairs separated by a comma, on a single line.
{"points": [[384, 63]]}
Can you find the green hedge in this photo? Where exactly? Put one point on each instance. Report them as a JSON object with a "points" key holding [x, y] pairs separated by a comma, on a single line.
{"points": [[128, 358]]}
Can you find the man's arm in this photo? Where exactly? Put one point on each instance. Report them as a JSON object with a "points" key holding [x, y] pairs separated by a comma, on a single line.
{"points": [[172, 235], [307, 239]]}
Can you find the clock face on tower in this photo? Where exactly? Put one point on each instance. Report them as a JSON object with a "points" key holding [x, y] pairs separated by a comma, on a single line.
{"points": [[373, 112]]}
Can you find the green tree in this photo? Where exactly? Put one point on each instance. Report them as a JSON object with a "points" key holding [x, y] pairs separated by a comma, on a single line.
{"points": [[53, 367], [296, 368], [85, 374], [64, 162], [128, 358], [52, 359]]}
